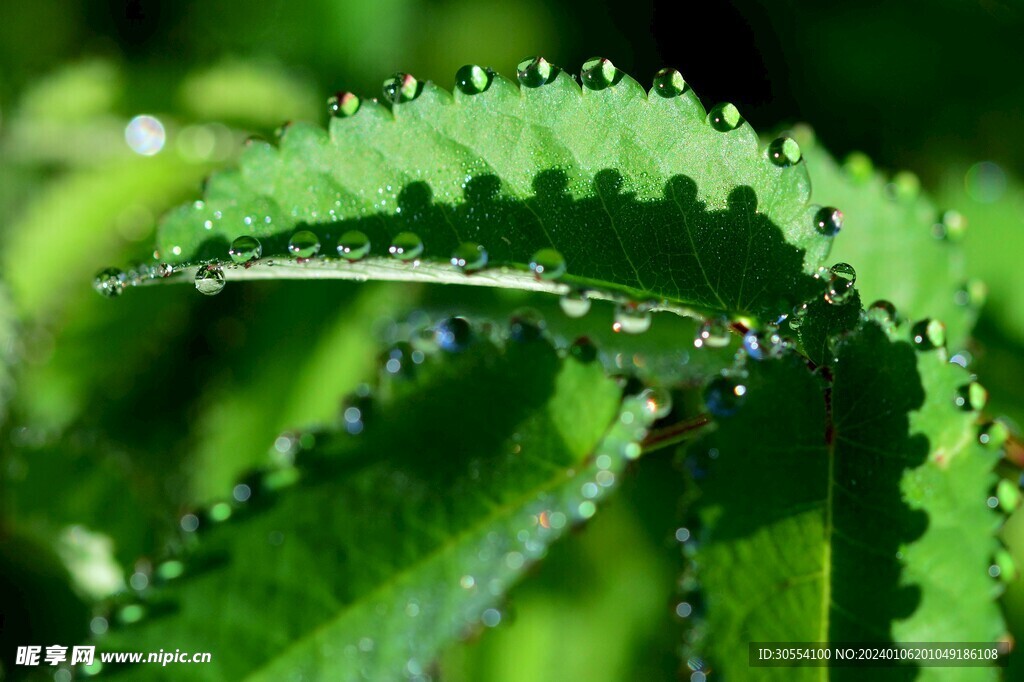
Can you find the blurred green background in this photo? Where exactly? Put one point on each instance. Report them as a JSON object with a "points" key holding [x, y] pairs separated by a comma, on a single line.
{"points": [[128, 412]]}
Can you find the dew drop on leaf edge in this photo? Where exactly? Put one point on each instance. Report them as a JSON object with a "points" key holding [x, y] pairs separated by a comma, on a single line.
{"points": [[842, 278], [304, 244], [209, 280], [725, 117], [712, 333], [110, 282], [401, 88], [547, 264], [454, 334], [828, 221], [928, 334], [469, 257], [631, 318], [971, 397], [353, 245], [535, 72], [784, 152], [669, 83], [343, 105], [472, 79], [657, 401], [598, 73], [245, 249], [406, 246]]}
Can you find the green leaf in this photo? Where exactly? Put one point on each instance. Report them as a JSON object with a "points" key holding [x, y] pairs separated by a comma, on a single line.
{"points": [[644, 195], [398, 540], [829, 510], [904, 248]]}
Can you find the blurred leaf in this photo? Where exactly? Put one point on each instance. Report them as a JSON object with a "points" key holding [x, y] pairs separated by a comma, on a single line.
{"points": [[828, 512], [893, 235], [398, 540], [993, 203], [643, 196], [257, 95]]}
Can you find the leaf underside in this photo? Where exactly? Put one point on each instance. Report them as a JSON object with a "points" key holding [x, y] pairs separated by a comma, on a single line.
{"points": [[397, 540], [846, 511], [643, 197]]}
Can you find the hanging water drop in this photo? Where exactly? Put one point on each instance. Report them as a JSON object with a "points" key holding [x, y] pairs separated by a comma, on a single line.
{"points": [[796, 316], [343, 104], [971, 397], [209, 280], [598, 73], [842, 278], [406, 246], [472, 79], [928, 334], [657, 401], [725, 117], [402, 87], [353, 245], [454, 334], [110, 282], [245, 250], [828, 221], [575, 303], [535, 72], [547, 264], [993, 434], [304, 245], [883, 312], [669, 83], [713, 333], [724, 396], [632, 318], [784, 151], [469, 257]]}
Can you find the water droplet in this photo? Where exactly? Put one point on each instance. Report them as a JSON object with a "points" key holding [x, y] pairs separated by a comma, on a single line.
{"points": [[469, 257], [547, 264], [725, 117], [842, 278], [928, 334], [526, 325], [971, 397], [993, 434], [402, 87], [796, 317], [882, 311], [598, 73], [535, 72], [669, 83], [209, 279], [145, 135], [713, 333], [189, 523], [245, 249], [583, 350], [164, 270], [406, 246], [724, 396], [631, 318], [828, 221], [491, 617], [575, 303], [784, 151], [454, 334], [110, 282], [951, 225], [353, 245], [972, 293], [472, 79], [343, 104], [304, 245], [657, 401]]}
